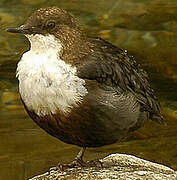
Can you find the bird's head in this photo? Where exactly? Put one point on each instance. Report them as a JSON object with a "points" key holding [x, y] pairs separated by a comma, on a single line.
{"points": [[45, 21]]}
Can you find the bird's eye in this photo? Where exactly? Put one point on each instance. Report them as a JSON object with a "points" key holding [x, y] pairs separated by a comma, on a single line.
{"points": [[50, 24]]}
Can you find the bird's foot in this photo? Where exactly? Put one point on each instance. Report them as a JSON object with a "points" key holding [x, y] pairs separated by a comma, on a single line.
{"points": [[78, 163]]}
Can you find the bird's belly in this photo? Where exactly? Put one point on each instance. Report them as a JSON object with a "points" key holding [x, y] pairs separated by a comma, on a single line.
{"points": [[102, 118], [83, 132]]}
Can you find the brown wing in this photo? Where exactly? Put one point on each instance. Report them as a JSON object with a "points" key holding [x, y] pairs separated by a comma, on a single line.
{"points": [[113, 67]]}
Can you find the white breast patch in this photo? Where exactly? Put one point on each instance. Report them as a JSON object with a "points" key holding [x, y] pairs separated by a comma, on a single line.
{"points": [[46, 82]]}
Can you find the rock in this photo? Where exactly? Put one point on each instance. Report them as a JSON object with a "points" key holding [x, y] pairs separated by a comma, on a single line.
{"points": [[115, 166]]}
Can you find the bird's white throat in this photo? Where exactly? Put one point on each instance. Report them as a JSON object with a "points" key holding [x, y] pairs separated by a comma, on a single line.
{"points": [[46, 82]]}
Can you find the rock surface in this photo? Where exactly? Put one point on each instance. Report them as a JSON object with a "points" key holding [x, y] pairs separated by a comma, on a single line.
{"points": [[115, 166]]}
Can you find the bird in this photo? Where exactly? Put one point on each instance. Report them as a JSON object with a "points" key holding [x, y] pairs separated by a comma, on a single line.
{"points": [[81, 90]]}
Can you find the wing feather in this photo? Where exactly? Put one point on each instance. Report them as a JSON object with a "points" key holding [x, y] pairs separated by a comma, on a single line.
{"points": [[113, 67]]}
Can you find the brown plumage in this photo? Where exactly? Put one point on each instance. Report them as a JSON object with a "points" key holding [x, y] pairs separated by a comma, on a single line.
{"points": [[120, 98]]}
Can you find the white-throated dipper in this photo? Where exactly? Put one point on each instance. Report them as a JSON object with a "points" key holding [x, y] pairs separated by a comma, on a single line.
{"points": [[82, 90]]}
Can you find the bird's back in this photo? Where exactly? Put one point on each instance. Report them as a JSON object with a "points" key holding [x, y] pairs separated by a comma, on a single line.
{"points": [[114, 67]]}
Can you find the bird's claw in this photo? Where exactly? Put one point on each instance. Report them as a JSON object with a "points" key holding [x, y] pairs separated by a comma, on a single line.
{"points": [[78, 163]]}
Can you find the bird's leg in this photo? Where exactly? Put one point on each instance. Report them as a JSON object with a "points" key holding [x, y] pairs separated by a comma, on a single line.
{"points": [[77, 162], [79, 157]]}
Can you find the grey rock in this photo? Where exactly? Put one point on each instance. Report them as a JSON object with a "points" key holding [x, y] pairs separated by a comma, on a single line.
{"points": [[115, 166]]}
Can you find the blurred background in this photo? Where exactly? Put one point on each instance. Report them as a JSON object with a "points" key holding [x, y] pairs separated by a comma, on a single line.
{"points": [[148, 29]]}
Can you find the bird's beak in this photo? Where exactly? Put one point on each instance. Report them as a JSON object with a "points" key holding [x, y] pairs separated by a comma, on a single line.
{"points": [[22, 30]]}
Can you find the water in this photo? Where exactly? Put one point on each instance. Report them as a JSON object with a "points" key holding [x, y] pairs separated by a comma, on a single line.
{"points": [[146, 28]]}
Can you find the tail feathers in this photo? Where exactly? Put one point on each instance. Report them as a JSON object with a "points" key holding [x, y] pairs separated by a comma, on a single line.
{"points": [[159, 119]]}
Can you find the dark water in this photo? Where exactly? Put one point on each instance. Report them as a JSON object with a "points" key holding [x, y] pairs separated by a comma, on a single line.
{"points": [[146, 29]]}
